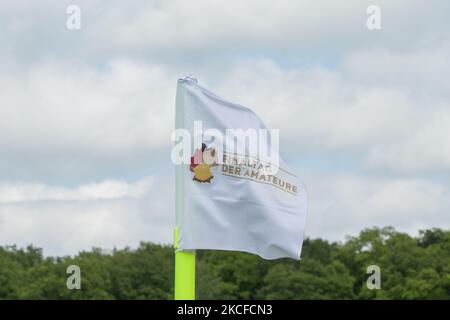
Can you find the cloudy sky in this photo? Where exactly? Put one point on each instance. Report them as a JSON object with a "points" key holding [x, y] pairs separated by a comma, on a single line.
{"points": [[86, 115]]}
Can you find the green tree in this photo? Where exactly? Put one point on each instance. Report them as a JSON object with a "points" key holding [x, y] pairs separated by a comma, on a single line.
{"points": [[411, 268]]}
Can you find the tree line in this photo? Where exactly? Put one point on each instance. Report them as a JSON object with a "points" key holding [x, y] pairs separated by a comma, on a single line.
{"points": [[411, 268]]}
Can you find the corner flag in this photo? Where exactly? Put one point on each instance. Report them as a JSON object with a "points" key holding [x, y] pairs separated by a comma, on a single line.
{"points": [[233, 190]]}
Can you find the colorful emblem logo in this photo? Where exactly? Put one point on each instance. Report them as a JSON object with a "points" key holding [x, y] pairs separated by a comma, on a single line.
{"points": [[201, 163]]}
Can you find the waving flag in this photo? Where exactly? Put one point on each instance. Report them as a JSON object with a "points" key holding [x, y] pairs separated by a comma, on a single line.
{"points": [[230, 196]]}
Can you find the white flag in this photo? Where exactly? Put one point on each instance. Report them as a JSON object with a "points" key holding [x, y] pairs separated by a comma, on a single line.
{"points": [[228, 198]]}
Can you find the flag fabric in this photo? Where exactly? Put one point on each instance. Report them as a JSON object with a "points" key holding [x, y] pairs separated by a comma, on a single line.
{"points": [[233, 205]]}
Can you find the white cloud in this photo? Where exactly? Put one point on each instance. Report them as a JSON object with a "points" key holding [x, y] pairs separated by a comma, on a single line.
{"points": [[27, 192], [423, 71], [389, 126], [117, 214], [258, 25], [106, 214], [426, 149], [130, 107], [64, 106], [347, 203], [180, 31]]}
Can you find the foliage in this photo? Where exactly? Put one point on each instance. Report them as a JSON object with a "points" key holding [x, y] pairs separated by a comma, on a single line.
{"points": [[411, 268]]}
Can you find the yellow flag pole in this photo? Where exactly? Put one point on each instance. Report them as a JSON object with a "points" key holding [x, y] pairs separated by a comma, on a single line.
{"points": [[184, 272]]}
